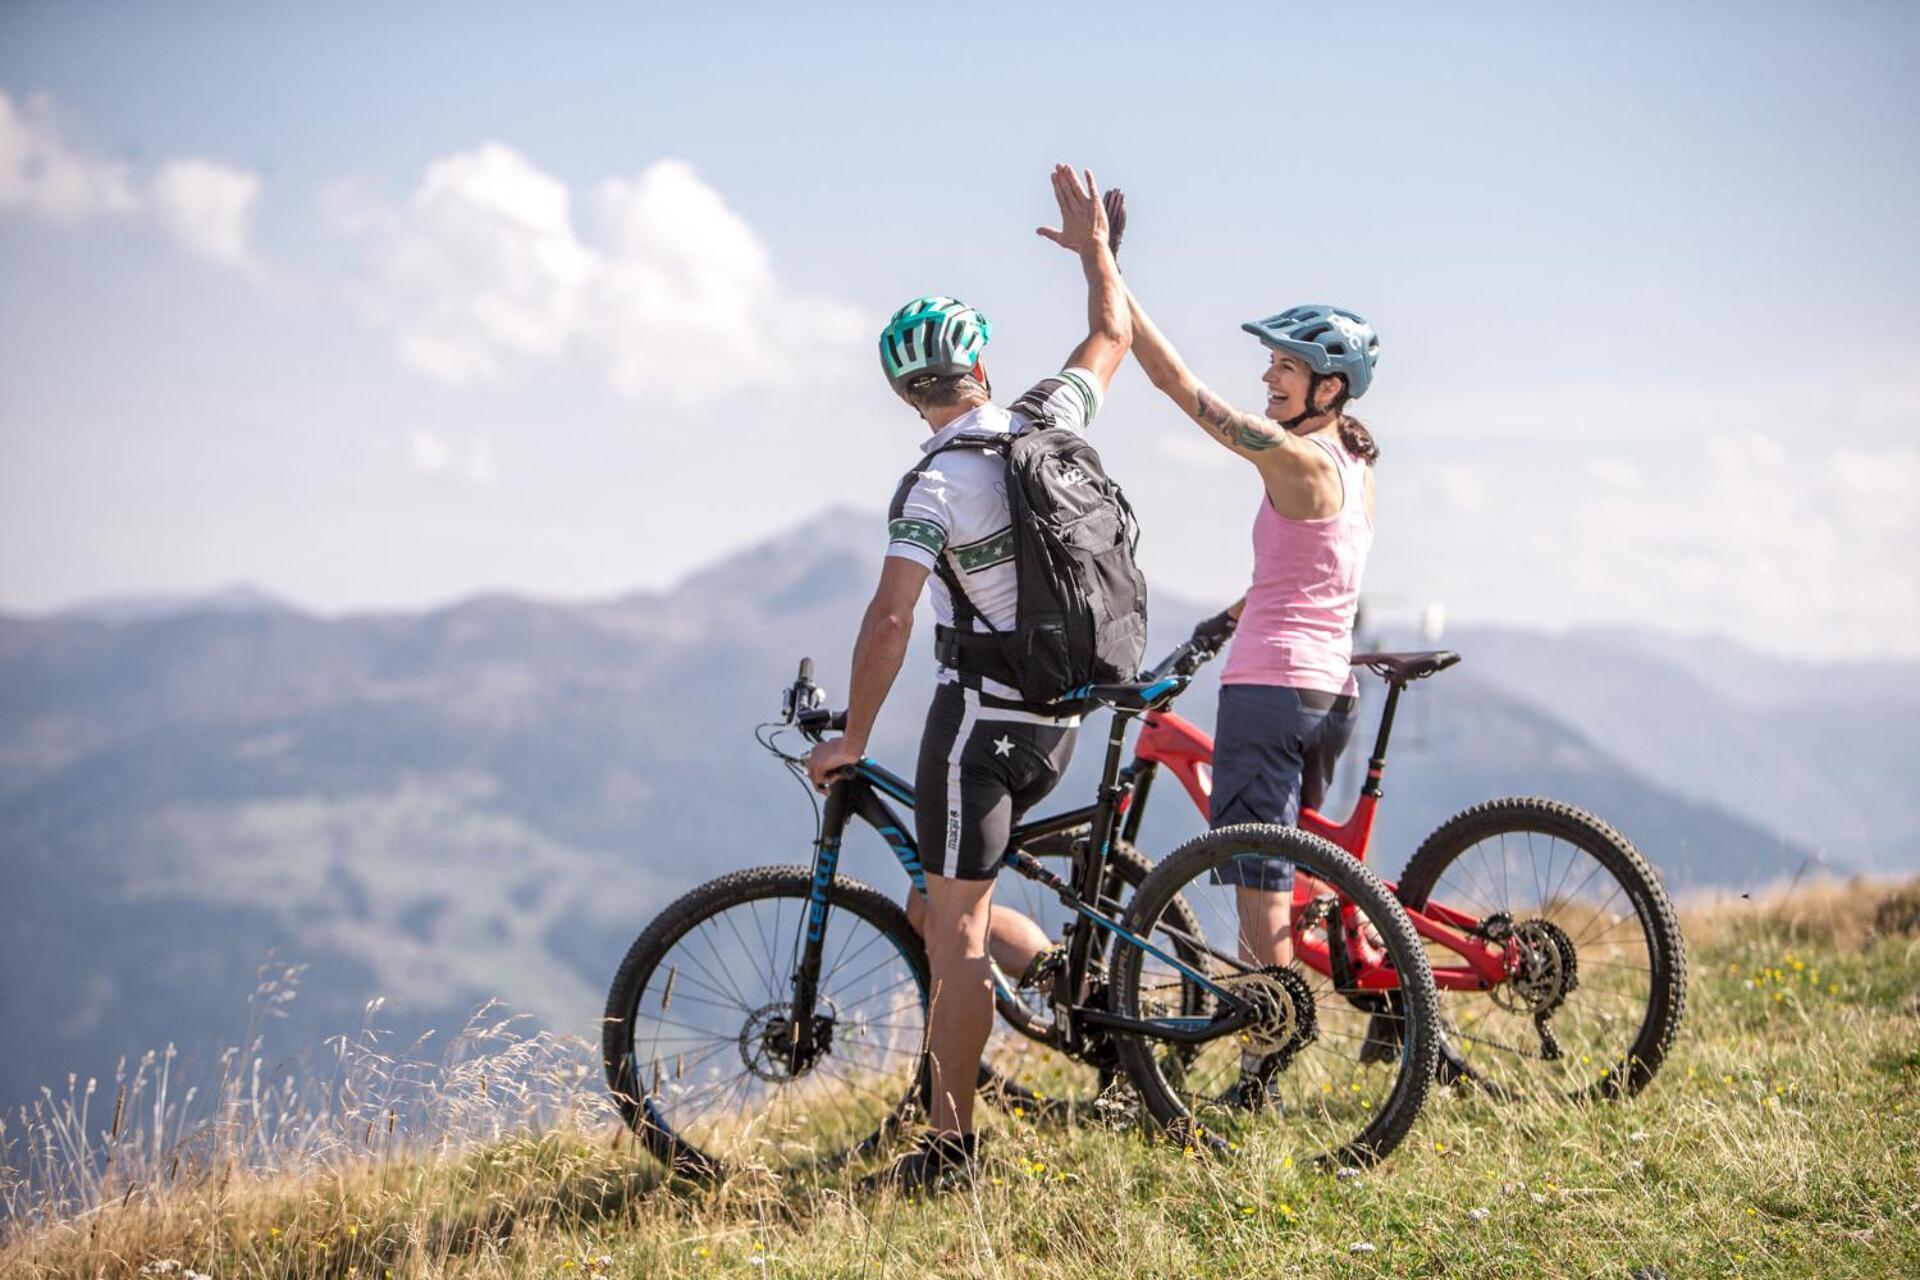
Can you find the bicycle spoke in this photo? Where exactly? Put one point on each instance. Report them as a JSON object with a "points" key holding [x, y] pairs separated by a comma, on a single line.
{"points": [[1608, 1001], [715, 1064]]}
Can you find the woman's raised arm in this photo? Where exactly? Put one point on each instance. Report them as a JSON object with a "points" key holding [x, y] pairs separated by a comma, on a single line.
{"points": [[1253, 436]]}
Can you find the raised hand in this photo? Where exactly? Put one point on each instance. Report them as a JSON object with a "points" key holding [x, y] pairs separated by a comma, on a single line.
{"points": [[1116, 205], [1083, 217]]}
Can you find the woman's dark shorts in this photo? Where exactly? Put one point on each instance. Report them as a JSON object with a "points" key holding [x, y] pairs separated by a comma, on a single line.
{"points": [[977, 774], [1274, 750]]}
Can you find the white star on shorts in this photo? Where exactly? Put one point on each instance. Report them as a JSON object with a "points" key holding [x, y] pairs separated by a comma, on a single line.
{"points": [[1003, 746]]}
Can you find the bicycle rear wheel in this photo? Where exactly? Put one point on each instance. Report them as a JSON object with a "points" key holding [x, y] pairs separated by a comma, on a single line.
{"points": [[1347, 1068], [699, 1031], [1597, 967]]}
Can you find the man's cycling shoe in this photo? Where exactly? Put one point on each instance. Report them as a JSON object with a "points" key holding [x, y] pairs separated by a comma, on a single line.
{"points": [[1383, 1039], [943, 1162], [1253, 1093]]}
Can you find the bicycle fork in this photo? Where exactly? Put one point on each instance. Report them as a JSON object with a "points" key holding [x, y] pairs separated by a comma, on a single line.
{"points": [[808, 1033]]}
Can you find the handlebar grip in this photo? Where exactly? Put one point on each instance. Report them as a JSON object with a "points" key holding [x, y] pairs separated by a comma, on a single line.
{"points": [[818, 721], [806, 671]]}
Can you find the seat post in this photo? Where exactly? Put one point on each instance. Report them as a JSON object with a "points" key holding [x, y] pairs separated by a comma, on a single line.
{"points": [[1116, 746], [1378, 765], [1105, 819]]}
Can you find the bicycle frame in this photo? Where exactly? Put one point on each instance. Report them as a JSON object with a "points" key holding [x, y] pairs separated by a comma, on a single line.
{"points": [[861, 796], [1187, 751]]}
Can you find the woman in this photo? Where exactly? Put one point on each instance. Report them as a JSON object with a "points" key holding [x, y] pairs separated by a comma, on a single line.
{"points": [[1287, 694]]}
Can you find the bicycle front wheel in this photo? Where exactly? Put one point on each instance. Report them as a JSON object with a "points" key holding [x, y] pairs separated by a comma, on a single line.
{"points": [[1339, 1066], [700, 1029]]}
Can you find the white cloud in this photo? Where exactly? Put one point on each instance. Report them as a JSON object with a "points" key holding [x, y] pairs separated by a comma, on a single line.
{"points": [[204, 206], [1775, 535], [435, 455], [431, 454], [41, 175], [1615, 473], [484, 269], [482, 266], [207, 207], [478, 466]]}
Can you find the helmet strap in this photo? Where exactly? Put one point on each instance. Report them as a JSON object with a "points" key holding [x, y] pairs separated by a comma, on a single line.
{"points": [[1313, 386]]}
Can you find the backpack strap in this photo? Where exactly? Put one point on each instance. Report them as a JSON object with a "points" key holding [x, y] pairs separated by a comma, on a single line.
{"points": [[963, 647]]}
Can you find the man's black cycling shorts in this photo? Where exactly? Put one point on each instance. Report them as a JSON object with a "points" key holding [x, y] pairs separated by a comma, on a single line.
{"points": [[978, 773]]}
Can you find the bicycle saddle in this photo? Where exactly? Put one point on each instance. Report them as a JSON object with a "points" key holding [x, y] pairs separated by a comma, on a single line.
{"points": [[1406, 667], [1135, 695]]}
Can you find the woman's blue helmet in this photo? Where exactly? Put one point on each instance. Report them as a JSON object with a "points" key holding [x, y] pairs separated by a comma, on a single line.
{"points": [[1329, 339]]}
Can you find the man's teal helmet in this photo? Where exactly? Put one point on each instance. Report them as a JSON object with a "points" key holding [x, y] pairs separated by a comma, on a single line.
{"points": [[932, 337], [1329, 339]]}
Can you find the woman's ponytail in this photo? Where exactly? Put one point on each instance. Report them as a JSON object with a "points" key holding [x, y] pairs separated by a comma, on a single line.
{"points": [[1358, 440]]}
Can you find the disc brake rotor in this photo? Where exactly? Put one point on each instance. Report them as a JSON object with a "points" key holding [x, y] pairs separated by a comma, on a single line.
{"points": [[767, 1042], [1542, 969], [1285, 1019]]}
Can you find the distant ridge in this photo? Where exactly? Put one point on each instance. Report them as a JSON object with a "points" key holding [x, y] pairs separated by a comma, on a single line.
{"points": [[238, 599]]}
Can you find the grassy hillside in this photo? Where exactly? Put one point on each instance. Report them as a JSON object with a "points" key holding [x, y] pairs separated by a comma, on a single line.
{"points": [[1781, 1139]]}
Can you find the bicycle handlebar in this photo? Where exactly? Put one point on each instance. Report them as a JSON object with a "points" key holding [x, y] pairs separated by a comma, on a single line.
{"points": [[801, 700], [1187, 657]]}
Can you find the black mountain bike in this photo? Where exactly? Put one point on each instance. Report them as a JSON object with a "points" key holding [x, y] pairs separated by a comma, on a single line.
{"points": [[776, 1017]]}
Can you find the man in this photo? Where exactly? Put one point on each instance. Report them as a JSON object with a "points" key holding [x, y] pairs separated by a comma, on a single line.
{"points": [[985, 756]]}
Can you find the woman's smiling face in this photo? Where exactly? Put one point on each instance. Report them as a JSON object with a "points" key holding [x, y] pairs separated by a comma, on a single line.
{"points": [[1287, 378]]}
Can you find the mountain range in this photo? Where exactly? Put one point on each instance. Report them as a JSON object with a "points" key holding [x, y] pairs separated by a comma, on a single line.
{"points": [[491, 798]]}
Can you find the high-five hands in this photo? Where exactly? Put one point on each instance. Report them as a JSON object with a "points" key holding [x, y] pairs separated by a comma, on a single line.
{"points": [[1083, 216], [1116, 203]]}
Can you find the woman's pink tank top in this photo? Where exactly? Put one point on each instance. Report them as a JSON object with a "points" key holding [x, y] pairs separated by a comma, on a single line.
{"points": [[1297, 627]]}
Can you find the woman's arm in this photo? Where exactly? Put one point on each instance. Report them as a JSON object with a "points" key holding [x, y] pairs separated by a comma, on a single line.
{"points": [[1254, 437]]}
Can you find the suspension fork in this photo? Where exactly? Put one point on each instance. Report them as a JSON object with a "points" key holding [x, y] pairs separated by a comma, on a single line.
{"points": [[812, 940]]}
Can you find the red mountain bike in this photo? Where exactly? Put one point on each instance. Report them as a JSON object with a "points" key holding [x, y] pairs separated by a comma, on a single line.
{"points": [[1556, 950]]}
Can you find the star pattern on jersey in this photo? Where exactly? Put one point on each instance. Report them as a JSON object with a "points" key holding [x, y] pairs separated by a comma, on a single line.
{"points": [[1003, 746]]}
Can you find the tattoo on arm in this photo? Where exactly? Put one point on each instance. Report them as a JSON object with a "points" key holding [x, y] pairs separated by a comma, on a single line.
{"points": [[1239, 429]]}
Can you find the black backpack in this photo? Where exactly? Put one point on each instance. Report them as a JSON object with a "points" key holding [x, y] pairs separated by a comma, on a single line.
{"points": [[1081, 616]]}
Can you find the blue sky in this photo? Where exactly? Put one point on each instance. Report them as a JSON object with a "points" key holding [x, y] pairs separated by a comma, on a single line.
{"points": [[380, 309]]}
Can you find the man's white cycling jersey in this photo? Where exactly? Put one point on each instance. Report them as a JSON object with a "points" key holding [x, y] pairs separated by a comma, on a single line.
{"points": [[957, 508]]}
